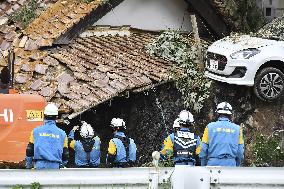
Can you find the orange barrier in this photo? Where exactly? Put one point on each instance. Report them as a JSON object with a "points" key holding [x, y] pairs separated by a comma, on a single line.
{"points": [[19, 114]]}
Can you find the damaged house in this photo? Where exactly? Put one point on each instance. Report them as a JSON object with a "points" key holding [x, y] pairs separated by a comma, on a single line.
{"points": [[90, 59]]}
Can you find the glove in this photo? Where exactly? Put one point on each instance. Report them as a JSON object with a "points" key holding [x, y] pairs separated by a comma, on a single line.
{"points": [[75, 128]]}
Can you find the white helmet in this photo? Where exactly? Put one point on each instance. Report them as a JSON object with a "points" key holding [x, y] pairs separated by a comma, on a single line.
{"points": [[86, 130], [117, 122], [224, 108], [185, 117], [51, 110], [176, 123]]}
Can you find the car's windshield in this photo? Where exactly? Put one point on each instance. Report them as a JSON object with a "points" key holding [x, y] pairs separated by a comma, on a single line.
{"points": [[272, 30]]}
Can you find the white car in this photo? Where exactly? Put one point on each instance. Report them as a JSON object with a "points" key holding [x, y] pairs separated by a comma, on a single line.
{"points": [[250, 61]]}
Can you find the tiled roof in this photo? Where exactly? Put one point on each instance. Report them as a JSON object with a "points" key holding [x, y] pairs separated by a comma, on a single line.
{"points": [[8, 29], [92, 69], [58, 19], [8, 7]]}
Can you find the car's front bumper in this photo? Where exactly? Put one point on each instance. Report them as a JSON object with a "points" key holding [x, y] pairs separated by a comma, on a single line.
{"points": [[232, 71], [237, 81]]}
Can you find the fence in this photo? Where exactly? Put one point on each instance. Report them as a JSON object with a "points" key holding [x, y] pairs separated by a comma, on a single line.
{"points": [[180, 177]]}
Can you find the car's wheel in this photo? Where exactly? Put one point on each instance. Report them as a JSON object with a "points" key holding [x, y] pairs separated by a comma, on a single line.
{"points": [[269, 84]]}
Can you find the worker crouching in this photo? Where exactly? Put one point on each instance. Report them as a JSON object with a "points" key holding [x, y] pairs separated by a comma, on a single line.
{"points": [[182, 144], [87, 149], [121, 149], [48, 143]]}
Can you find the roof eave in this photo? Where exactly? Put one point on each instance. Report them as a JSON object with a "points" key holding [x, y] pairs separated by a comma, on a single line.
{"points": [[87, 21]]}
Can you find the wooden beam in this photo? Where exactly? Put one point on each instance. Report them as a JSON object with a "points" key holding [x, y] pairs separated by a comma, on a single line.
{"points": [[209, 16]]}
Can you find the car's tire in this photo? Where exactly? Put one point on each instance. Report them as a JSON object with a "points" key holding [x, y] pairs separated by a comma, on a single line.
{"points": [[269, 84]]}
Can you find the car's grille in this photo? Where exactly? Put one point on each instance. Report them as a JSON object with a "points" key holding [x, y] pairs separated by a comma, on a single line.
{"points": [[222, 60]]}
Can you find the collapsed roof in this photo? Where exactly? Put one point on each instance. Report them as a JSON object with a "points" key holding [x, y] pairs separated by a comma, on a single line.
{"points": [[97, 66], [91, 70]]}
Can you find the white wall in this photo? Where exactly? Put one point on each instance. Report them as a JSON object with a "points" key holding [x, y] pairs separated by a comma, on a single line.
{"points": [[277, 7], [281, 4], [280, 8], [149, 15]]}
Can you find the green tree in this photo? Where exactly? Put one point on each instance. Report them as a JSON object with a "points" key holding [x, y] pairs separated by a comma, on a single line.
{"points": [[246, 15]]}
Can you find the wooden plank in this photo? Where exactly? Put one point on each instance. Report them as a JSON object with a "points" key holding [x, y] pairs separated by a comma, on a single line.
{"points": [[209, 16]]}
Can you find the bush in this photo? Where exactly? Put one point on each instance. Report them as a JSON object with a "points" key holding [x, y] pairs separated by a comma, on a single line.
{"points": [[26, 14], [245, 14], [175, 47], [267, 152]]}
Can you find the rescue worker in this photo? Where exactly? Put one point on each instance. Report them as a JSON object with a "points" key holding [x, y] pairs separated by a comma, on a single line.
{"points": [[183, 145], [176, 127], [48, 143], [222, 141], [121, 149], [87, 150]]}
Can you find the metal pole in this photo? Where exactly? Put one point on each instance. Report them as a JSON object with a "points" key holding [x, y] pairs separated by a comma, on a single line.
{"points": [[154, 178], [154, 172]]}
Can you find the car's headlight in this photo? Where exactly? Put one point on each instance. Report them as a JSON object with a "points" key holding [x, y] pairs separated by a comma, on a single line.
{"points": [[245, 54]]}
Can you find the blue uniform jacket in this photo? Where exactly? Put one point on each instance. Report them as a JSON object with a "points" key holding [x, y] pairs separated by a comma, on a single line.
{"points": [[81, 156], [120, 151], [48, 141], [222, 144]]}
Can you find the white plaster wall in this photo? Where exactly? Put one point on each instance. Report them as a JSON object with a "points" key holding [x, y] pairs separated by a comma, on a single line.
{"points": [[266, 3], [279, 8], [281, 4], [149, 15]]}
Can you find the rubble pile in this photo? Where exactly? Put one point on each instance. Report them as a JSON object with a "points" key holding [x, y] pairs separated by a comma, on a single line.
{"points": [[273, 30]]}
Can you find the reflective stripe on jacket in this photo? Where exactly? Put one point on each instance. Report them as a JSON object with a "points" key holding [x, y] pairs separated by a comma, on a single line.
{"points": [[185, 144], [171, 147]]}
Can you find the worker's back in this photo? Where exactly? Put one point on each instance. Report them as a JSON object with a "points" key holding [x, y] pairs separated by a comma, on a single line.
{"points": [[48, 142], [223, 138], [87, 153]]}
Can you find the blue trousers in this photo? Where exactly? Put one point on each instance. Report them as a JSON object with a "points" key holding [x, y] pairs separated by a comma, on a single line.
{"points": [[41, 164], [229, 162]]}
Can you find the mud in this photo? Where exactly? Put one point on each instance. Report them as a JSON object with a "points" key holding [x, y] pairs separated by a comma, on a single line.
{"points": [[12, 165]]}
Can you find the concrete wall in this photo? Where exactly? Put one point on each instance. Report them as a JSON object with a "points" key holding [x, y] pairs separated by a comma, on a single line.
{"points": [[149, 15], [279, 8], [275, 7]]}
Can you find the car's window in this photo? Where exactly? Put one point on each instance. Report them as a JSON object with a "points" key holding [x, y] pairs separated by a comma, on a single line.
{"points": [[273, 30]]}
